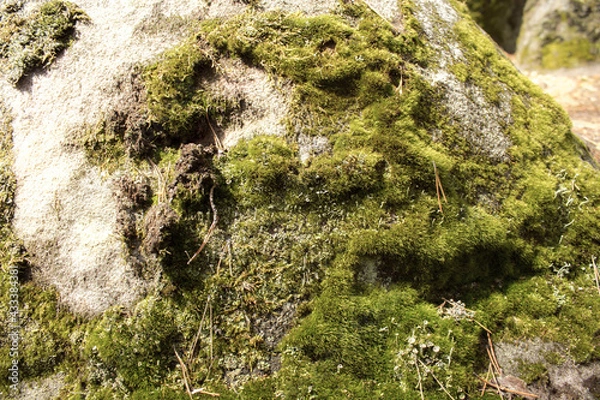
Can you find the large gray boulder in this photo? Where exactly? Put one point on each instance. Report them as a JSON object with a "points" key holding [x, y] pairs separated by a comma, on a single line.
{"points": [[289, 199]]}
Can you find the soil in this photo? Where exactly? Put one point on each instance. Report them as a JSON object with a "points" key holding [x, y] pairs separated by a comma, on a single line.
{"points": [[577, 90], [193, 169], [158, 221]]}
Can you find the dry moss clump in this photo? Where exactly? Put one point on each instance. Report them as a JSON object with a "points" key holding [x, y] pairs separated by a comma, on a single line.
{"points": [[29, 42]]}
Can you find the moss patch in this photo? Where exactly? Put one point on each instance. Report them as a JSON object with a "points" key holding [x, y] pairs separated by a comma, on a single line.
{"points": [[569, 53], [33, 41]]}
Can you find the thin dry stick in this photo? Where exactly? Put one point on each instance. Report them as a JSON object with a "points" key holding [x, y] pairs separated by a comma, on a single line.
{"points": [[420, 379], [162, 183], [489, 353], [509, 390], [487, 376], [218, 142], [439, 189], [197, 337], [494, 359], [497, 384], [212, 226], [202, 391], [492, 369], [382, 17], [439, 182], [482, 326], [184, 374], [596, 274], [400, 89], [219, 264], [438, 382]]}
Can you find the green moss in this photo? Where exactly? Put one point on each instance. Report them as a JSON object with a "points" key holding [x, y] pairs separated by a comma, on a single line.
{"points": [[533, 372], [557, 309], [329, 59], [362, 346], [159, 394], [104, 146], [176, 100], [554, 358], [35, 41], [137, 348], [344, 176], [172, 106], [261, 169], [50, 336], [569, 53], [378, 189]]}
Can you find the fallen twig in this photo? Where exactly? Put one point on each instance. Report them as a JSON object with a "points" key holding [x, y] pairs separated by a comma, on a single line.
{"points": [[161, 193], [439, 189], [487, 376], [202, 391], [508, 390], [218, 142], [482, 326], [497, 383], [197, 337], [420, 379], [493, 358], [184, 374], [596, 274], [212, 226], [438, 382], [186, 380]]}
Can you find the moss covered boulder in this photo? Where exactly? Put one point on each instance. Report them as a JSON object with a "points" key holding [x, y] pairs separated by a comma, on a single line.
{"points": [[559, 34], [351, 200]]}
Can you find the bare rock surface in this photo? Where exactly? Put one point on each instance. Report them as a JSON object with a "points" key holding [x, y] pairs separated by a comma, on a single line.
{"points": [[563, 381], [66, 213]]}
